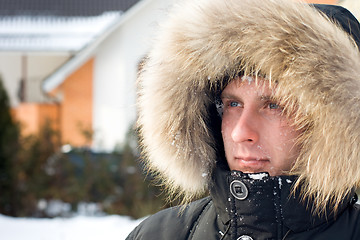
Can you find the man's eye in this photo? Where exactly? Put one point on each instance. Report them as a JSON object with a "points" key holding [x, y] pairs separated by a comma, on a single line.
{"points": [[234, 104], [273, 106]]}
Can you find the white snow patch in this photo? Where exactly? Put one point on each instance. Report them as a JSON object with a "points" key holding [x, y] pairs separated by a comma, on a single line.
{"points": [[258, 176], [89, 228], [280, 183], [249, 79]]}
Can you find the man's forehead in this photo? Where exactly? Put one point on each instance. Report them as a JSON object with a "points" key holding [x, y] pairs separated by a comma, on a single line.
{"points": [[258, 85]]}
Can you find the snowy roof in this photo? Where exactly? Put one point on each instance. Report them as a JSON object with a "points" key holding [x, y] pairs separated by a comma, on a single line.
{"points": [[56, 25], [52, 33], [63, 7]]}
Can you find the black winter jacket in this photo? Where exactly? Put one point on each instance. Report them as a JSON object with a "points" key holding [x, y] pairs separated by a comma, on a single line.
{"points": [[251, 206]]}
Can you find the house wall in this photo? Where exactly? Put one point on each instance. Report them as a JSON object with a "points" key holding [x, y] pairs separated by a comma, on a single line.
{"points": [[33, 116], [72, 117], [76, 108], [35, 67], [10, 73], [115, 70], [40, 66]]}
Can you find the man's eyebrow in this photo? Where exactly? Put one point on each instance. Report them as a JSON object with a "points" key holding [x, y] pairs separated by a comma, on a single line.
{"points": [[227, 95], [234, 96], [265, 98]]}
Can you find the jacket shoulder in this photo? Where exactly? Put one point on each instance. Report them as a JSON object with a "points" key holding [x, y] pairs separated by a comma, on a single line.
{"points": [[354, 221], [347, 226], [172, 223]]}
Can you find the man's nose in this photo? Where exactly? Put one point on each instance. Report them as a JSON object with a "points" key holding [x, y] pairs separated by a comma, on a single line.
{"points": [[245, 129]]}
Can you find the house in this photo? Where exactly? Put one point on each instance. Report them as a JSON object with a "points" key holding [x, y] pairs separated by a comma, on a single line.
{"points": [[37, 38], [91, 90]]}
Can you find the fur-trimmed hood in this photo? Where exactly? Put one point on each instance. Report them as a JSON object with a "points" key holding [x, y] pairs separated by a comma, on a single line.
{"points": [[316, 67]]}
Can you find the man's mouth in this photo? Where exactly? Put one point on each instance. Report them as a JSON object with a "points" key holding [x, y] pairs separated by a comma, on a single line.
{"points": [[251, 164], [251, 159]]}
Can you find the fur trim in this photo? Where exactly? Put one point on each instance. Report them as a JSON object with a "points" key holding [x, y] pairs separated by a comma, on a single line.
{"points": [[315, 64]]}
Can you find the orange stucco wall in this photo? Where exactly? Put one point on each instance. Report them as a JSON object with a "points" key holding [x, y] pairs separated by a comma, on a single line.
{"points": [[33, 116], [71, 117], [76, 106]]}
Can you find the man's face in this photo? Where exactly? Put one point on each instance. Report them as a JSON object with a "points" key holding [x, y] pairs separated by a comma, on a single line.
{"points": [[257, 136]]}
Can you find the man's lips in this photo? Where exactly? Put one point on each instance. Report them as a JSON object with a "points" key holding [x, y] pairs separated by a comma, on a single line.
{"points": [[253, 162], [250, 159]]}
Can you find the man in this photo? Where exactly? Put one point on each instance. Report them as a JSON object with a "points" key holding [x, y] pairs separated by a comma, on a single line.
{"points": [[258, 102]]}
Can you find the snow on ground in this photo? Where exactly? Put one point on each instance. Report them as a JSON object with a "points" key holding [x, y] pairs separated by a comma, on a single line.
{"points": [[76, 228]]}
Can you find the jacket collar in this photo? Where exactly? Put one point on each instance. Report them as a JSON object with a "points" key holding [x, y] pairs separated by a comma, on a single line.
{"points": [[260, 204]]}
